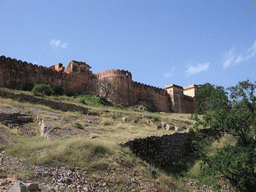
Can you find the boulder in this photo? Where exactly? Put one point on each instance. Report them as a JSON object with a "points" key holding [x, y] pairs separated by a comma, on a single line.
{"points": [[32, 186], [18, 187], [147, 117], [178, 128], [152, 124], [163, 124], [169, 127]]}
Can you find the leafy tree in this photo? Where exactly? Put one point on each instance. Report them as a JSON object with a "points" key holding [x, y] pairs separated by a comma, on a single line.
{"points": [[58, 90], [28, 87], [237, 163], [70, 93], [210, 97], [39, 82], [42, 89]]}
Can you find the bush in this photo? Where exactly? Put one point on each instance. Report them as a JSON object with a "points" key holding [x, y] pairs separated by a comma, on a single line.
{"points": [[105, 102], [70, 93], [28, 87], [42, 89], [39, 82], [78, 125], [58, 90], [156, 119]]}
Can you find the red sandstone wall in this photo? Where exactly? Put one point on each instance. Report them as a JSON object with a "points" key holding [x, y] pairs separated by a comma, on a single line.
{"points": [[121, 81], [129, 91], [159, 97], [14, 74]]}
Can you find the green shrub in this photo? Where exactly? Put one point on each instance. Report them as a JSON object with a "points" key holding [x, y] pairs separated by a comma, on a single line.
{"points": [[105, 102], [58, 90], [28, 87], [153, 170], [70, 93], [42, 89], [78, 125], [156, 119], [91, 99], [39, 82]]}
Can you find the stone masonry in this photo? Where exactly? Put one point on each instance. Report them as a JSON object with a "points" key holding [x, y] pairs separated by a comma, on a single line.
{"points": [[78, 77]]}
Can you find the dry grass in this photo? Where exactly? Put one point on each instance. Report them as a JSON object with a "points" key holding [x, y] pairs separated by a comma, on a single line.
{"points": [[96, 154]]}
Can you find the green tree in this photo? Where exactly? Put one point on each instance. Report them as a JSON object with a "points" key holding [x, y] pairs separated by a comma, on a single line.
{"points": [[42, 89], [28, 87], [210, 97], [237, 163], [58, 90]]}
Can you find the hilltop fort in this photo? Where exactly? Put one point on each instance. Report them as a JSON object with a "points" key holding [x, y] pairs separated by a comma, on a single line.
{"points": [[117, 85]]}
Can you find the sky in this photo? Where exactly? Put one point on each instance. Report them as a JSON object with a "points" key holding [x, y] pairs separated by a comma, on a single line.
{"points": [[162, 42]]}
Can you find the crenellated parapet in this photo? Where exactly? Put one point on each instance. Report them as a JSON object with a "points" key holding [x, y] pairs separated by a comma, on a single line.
{"points": [[114, 73], [154, 89], [25, 66]]}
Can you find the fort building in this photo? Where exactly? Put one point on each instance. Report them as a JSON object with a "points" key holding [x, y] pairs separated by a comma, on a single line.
{"points": [[119, 84]]}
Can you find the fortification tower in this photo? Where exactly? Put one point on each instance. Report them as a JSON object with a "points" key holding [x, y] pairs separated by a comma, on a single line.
{"points": [[190, 90], [78, 66], [175, 92], [118, 82]]}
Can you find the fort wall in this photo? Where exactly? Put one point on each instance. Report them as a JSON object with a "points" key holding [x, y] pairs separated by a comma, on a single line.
{"points": [[77, 77], [151, 96], [15, 74], [130, 92]]}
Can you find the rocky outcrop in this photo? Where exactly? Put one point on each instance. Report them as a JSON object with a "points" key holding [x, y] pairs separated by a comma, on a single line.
{"points": [[161, 124], [53, 104], [61, 177], [14, 117]]}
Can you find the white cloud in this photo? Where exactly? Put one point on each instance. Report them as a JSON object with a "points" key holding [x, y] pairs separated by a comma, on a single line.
{"points": [[64, 45], [169, 74], [251, 49], [198, 68], [230, 57], [57, 43]]}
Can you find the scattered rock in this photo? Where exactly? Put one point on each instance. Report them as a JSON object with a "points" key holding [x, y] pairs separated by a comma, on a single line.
{"points": [[32, 186], [169, 127], [163, 123], [125, 119], [177, 128], [93, 137]]}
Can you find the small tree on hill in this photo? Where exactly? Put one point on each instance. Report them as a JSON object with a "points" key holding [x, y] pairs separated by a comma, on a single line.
{"points": [[42, 89], [58, 90], [28, 87]]}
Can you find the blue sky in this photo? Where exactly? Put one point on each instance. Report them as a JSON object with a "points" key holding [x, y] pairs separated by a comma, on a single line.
{"points": [[161, 42]]}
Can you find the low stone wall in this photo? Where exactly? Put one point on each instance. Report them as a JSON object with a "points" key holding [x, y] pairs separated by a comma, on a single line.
{"points": [[160, 150], [53, 104]]}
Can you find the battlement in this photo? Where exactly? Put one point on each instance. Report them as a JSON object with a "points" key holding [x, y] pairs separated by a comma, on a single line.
{"points": [[148, 87], [114, 73], [24, 65]]}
